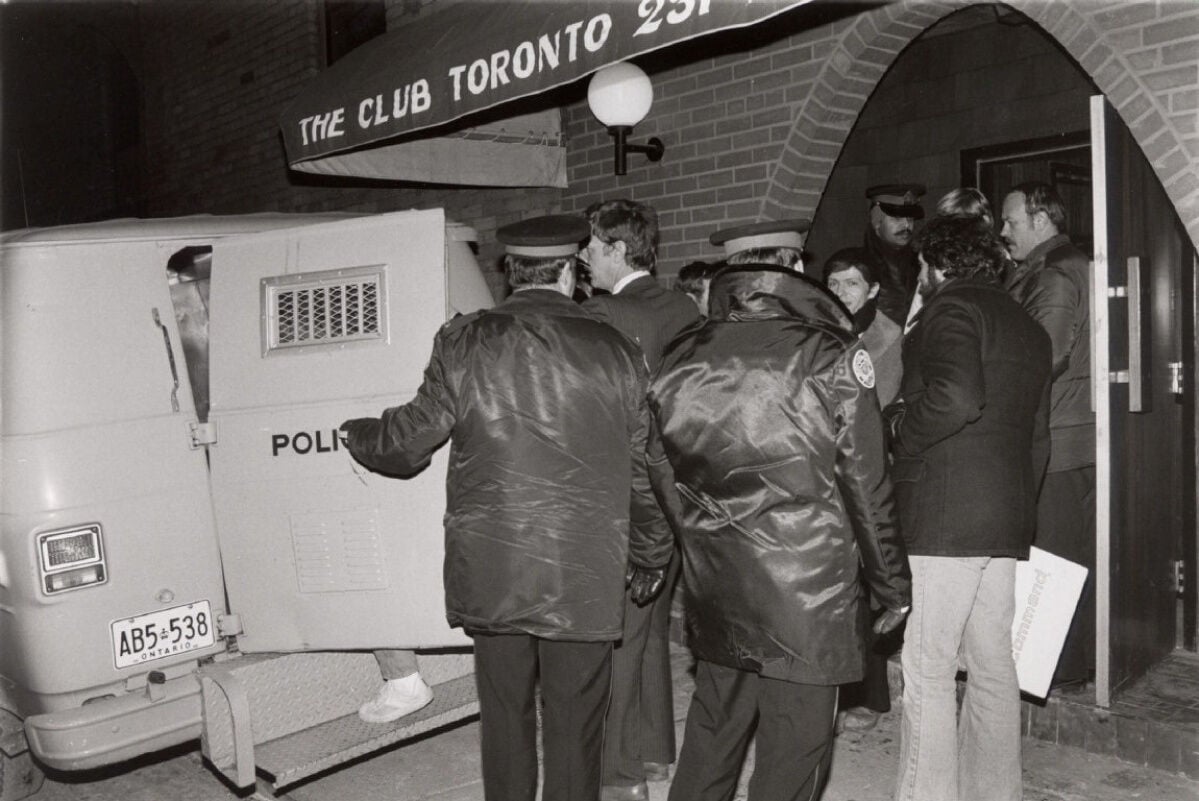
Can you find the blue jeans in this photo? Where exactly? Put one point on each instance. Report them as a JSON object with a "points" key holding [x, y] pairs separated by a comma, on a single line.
{"points": [[966, 605]]}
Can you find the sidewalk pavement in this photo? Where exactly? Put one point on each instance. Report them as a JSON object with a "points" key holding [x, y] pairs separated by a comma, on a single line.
{"points": [[445, 767]]}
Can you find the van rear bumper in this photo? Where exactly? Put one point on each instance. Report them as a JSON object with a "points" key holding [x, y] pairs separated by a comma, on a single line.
{"points": [[115, 729]]}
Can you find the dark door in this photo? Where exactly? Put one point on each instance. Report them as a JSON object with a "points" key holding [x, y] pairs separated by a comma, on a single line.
{"points": [[1143, 494]]}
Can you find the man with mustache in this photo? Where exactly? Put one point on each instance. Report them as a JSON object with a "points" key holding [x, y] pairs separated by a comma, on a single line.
{"points": [[894, 209], [1051, 280]]}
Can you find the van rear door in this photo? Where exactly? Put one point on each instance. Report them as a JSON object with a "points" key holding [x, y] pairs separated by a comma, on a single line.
{"points": [[309, 327]]}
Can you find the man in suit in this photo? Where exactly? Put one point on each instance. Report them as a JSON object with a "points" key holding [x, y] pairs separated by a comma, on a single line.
{"points": [[548, 507], [621, 254], [639, 734]]}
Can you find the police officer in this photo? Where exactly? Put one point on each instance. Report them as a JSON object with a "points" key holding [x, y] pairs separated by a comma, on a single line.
{"points": [[547, 504], [776, 484], [894, 209], [777, 242]]}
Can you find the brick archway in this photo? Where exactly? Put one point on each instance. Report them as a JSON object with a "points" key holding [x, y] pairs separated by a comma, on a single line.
{"points": [[872, 41]]}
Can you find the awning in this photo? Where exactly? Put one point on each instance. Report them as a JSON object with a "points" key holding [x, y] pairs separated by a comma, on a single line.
{"points": [[527, 150], [359, 116]]}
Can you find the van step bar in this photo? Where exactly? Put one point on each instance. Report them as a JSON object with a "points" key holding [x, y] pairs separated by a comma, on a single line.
{"points": [[291, 716], [298, 756]]}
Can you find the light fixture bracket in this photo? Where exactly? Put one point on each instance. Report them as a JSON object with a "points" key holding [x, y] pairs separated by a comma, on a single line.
{"points": [[653, 149]]}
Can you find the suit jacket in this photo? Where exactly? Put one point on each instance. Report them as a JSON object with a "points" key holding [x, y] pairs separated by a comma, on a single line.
{"points": [[547, 494], [647, 313], [972, 442]]}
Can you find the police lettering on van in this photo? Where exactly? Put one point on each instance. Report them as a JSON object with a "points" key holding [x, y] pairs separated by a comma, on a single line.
{"points": [[304, 442]]}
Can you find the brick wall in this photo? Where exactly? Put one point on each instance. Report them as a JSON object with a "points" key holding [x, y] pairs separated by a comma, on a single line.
{"points": [[217, 74], [223, 71], [754, 121]]}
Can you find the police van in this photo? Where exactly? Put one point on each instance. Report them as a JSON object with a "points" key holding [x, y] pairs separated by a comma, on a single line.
{"points": [[187, 549]]}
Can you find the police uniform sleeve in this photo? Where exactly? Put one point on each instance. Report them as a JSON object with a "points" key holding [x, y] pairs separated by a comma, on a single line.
{"points": [[651, 540], [861, 476], [954, 392], [403, 439], [661, 477]]}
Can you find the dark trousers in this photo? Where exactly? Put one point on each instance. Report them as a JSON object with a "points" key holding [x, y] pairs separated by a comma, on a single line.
{"points": [[874, 690], [794, 724], [575, 679], [1066, 528], [640, 721]]}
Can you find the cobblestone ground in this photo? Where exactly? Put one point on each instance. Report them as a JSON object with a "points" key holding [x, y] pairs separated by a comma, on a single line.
{"points": [[445, 767]]}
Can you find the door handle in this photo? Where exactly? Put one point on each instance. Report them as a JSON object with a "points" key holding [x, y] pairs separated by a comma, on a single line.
{"points": [[1137, 376], [1177, 386], [166, 340]]}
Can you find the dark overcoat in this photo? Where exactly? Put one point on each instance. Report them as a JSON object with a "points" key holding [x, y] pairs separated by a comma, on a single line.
{"points": [[971, 446], [774, 476], [546, 413]]}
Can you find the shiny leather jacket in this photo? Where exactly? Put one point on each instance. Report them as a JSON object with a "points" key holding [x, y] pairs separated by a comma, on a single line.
{"points": [[547, 495], [768, 455]]}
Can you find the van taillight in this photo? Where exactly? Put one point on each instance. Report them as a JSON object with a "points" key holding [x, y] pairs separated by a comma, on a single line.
{"points": [[72, 558]]}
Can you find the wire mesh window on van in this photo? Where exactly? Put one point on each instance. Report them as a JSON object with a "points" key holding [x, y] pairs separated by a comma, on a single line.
{"points": [[323, 308]]}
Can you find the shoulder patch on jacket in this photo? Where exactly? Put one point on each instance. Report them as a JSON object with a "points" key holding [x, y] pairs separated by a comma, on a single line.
{"points": [[460, 320], [863, 368]]}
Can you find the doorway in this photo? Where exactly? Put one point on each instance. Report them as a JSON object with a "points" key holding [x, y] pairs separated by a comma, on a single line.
{"points": [[1001, 94]]}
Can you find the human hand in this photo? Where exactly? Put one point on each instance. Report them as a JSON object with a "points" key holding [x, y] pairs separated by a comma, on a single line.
{"points": [[357, 425], [890, 619], [893, 417], [644, 583]]}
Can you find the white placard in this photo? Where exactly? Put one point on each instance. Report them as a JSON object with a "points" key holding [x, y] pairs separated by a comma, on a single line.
{"points": [[1047, 591]]}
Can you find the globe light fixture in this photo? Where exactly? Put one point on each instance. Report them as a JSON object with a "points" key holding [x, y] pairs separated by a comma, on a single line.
{"points": [[620, 95]]}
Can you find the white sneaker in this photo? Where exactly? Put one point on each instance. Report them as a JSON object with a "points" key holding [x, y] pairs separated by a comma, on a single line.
{"points": [[396, 698]]}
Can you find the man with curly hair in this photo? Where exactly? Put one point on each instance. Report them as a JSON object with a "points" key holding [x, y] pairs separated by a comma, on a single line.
{"points": [[970, 440]]}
